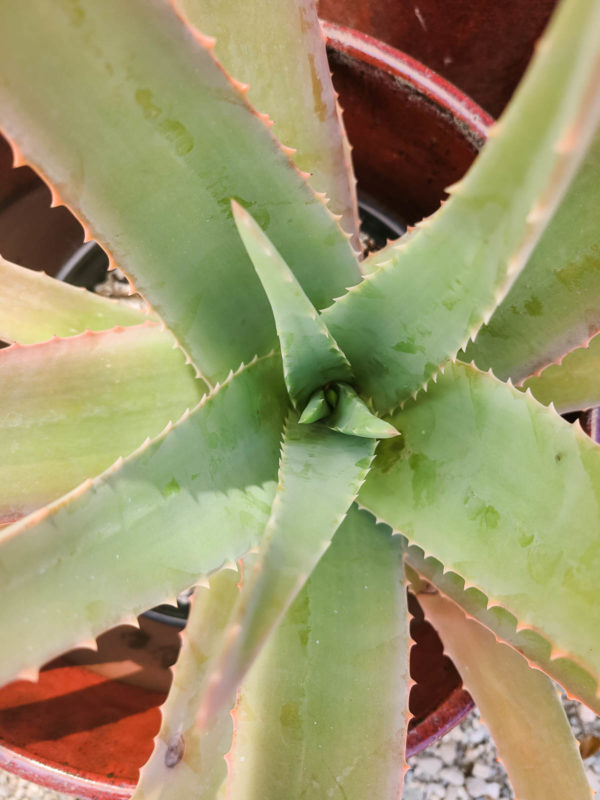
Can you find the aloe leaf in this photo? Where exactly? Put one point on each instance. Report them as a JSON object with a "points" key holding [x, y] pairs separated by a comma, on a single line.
{"points": [[149, 158], [351, 416], [519, 705], [553, 306], [186, 763], [34, 307], [332, 681], [196, 496], [433, 290], [574, 383], [70, 407], [453, 485], [316, 409], [319, 477], [300, 99], [537, 650], [311, 357]]}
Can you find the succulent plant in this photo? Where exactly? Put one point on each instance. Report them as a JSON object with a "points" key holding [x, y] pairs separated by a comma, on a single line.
{"points": [[293, 448]]}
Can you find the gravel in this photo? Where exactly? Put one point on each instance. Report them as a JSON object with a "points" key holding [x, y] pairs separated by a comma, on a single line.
{"points": [[461, 766]]}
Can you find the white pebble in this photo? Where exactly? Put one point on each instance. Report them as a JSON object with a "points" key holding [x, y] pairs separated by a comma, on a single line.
{"points": [[447, 752], [587, 715], [476, 787], [482, 770], [453, 776], [456, 793], [428, 766]]}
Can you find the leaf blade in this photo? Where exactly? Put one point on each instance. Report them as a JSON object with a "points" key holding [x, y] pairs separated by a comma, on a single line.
{"points": [[553, 306], [311, 357], [34, 308], [434, 289], [110, 390], [164, 141], [518, 704], [302, 101], [185, 763], [336, 728], [573, 384], [100, 553], [319, 477], [453, 485]]}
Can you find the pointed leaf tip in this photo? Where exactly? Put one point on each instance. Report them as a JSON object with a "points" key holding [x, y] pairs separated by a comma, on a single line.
{"points": [[311, 356], [351, 416], [317, 408]]}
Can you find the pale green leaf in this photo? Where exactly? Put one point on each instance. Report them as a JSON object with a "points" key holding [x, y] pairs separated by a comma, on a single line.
{"points": [[70, 407], [519, 705], [537, 650], [506, 494], [319, 477], [554, 305], [194, 497], [317, 408], [332, 682], [352, 416], [123, 109], [435, 289], [34, 307], [572, 385], [311, 357], [187, 763], [285, 41]]}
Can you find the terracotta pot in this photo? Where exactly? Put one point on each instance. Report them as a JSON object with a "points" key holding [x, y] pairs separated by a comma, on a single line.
{"points": [[87, 726], [482, 46]]}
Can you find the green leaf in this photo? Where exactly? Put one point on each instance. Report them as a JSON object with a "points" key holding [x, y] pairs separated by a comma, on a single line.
{"points": [[34, 307], [196, 496], [186, 763], [316, 408], [434, 290], [311, 357], [319, 477], [484, 477], [554, 305], [332, 682], [301, 101], [537, 650], [572, 385], [70, 407], [351, 416], [519, 705], [122, 108]]}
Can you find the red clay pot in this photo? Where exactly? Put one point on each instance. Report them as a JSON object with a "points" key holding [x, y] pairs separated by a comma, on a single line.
{"points": [[87, 733], [481, 46]]}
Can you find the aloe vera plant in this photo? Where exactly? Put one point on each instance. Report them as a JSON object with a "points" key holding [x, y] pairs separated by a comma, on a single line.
{"points": [[299, 432]]}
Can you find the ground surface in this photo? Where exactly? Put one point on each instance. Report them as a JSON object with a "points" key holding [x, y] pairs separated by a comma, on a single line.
{"points": [[461, 766]]}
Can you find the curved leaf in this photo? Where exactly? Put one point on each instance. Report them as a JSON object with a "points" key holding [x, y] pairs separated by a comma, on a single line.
{"points": [[34, 307], [319, 477], [147, 528], [553, 306], [537, 650], [186, 763], [332, 681], [505, 493], [572, 385], [70, 407], [301, 100], [519, 705], [434, 289], [149, 159], [311, 357]]}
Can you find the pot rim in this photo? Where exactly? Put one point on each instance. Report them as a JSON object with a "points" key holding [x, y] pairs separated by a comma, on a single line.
{"points": [[447, 98], [474, 123]]}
